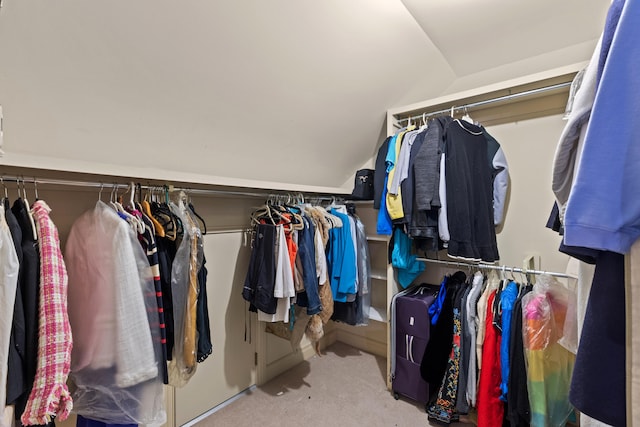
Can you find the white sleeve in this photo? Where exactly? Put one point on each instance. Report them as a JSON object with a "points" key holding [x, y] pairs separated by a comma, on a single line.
{"points": [[321, 259], [443, 222], [500, 186]]}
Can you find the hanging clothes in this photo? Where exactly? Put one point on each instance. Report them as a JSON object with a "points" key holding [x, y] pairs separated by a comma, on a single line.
{"points": [[405, 263], [490, 407], [518, 409], [16, 383], [469, 195], [423, 223], [205, 346], [112, 304], [462, 405], [284, 288], [148, 241], [364, 274], [50, 396], [472, 319], [9, 269], [602, 211], [259, 283], [507, 300], [29, 278], [444, 408], [436, 355], [493, 282], [549, 364], [341, 260], [184, 285]]}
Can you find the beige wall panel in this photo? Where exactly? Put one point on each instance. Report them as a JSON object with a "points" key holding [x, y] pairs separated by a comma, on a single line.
{"points": [[529, 147], [371, 338], [230, 369]]}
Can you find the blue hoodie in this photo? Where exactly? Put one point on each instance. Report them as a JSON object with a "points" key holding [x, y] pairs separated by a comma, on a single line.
{"points": [[603, 211]]}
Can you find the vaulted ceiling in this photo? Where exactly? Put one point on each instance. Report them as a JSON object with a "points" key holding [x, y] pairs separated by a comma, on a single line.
{"points": [[288, 91]]}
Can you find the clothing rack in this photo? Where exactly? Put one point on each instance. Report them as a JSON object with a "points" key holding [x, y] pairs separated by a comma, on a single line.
{"points": [[503, 268], [115, 185], [471, 105]]}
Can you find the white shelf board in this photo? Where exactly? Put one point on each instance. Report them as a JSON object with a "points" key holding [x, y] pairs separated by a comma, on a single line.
{"points": [[378, 314], [54, 165]]}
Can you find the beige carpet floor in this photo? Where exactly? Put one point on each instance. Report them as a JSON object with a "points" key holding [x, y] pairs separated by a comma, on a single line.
{"points": [[344, 387]]}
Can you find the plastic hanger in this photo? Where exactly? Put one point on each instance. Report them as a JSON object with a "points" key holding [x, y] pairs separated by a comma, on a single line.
{"points": [[204, 224], [467, 117], [28, 208], [452, 110], [424, 122], [146, 209], [137, 225]]}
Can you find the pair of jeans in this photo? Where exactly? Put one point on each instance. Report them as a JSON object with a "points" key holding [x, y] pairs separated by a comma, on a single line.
{"points": [[310, 298]]}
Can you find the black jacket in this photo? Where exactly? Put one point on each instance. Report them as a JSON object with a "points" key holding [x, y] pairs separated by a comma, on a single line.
{"points": [[16, 383], [29, 278]]}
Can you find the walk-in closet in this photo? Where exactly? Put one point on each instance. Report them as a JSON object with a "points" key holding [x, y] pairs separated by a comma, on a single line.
{"points": [[388, 213]]}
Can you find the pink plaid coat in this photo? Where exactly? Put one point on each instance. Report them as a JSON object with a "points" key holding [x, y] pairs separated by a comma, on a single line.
{"points": [[50, 395]]}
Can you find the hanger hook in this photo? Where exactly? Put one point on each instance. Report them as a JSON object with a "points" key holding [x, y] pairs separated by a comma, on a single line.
{"points": [[24, 188], [35, 186], [6, 194], [100, 192]]}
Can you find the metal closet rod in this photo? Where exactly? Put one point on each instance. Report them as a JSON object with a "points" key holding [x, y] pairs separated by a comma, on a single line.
{"points": [[496, 267], [95, 184], [491, 101]]}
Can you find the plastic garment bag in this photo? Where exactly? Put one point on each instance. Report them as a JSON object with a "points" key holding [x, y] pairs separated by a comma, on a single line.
{"points": [[111, 303], [364, 275], [184, 285], [549, 363]]}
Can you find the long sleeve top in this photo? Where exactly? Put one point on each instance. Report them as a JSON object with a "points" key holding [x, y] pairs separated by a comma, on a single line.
{"points": [[603, 211], [50, 396]]}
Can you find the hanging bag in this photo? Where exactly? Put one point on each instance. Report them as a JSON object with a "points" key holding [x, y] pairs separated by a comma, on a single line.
{"points": [[363, 185]]}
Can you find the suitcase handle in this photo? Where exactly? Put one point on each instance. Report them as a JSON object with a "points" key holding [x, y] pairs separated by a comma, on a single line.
{"points": [[409, 346]]}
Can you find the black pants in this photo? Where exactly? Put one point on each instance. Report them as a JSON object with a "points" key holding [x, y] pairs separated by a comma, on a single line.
{"points": [[260, 281]]}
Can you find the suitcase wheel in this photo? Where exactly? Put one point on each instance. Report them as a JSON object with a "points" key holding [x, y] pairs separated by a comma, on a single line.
{"points": [[396, 396]]}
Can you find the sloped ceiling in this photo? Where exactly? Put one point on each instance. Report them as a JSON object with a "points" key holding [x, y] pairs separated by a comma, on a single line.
{"points": [[476, 35], [279, 90]]}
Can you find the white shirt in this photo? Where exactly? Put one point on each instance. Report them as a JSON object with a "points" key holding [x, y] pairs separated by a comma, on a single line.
{"points": [[471, 314], [321, 259], [284, 288]]}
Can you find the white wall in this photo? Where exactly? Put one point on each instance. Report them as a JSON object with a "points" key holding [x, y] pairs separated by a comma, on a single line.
{"points": [[291, 92], [529, 147]]}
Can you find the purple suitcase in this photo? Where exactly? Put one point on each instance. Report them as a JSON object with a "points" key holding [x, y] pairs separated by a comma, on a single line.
{"points": [[411, 326]]}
